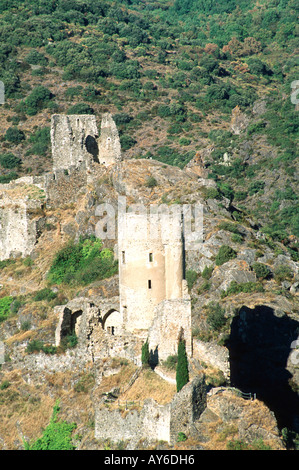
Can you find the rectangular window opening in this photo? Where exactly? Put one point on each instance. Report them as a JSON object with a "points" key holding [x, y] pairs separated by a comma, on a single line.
{"points": [[150, 257], [123, 257], [149, 284]]}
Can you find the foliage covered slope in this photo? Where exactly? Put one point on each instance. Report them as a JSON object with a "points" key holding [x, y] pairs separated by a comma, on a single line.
{"points": [[171, 72]]}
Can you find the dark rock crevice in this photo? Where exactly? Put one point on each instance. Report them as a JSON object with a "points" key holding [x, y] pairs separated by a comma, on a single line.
{"points": [[259, 349]]}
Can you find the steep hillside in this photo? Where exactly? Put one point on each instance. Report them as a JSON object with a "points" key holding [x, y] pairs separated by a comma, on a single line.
{"points": [[171, 73], [202, 96]]}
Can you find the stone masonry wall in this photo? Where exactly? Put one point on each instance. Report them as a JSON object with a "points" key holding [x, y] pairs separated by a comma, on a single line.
{"points": [[172, 318], [21, 216], [154, 422], [74, 140]]}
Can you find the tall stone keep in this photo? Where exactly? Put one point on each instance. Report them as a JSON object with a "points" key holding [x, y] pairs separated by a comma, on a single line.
{"points": [[74, 140], [108, 142], [153, 295], [150, 265]]}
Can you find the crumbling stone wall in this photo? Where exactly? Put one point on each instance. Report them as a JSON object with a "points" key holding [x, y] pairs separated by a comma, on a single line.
{"points": [[21, 219], [154, 422], [172, 319], [74, 140], [108, 142], [97, 324]]}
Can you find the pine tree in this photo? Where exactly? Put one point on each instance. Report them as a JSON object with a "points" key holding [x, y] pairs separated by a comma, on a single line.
{"points": [[182, 373]]}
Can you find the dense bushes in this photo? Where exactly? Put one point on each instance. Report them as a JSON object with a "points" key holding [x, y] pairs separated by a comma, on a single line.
{"points": [[215, 316], [82, 263], [9, 160], [224, 254], [37, 100], [5, 304], [14, 135]]}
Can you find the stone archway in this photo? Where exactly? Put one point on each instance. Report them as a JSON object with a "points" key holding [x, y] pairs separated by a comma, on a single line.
{"points": [[92, 147], [112, 321], [70, 323]]}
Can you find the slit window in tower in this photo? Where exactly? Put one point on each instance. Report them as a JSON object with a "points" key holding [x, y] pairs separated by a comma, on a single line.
{"points": [[123, 257], [150, 257], [149, 284]]}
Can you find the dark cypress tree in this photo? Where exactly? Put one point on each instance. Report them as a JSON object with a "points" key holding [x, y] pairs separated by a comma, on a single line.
{"points": [[182, 373], [145, 355]]}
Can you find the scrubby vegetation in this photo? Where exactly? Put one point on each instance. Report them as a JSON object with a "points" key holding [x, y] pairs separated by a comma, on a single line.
{"points": [[56, 436], [82, 263], [174, 68]]}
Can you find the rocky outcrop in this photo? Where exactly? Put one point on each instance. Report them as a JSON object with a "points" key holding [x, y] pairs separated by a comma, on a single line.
{"points": [[239, 121], [229, 417]]}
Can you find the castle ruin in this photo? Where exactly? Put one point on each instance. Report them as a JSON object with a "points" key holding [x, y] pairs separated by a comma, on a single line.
{"points": [[75, 140], [153, 303]]}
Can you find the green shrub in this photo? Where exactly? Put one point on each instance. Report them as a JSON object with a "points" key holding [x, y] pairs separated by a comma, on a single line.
{"points": [[127, 142], [237, 238], [4, 385], [181, 437], [80, 108], [261, 270], [36, 58], [5, 310], [36, 346], [225, 254], [191, 277], [56, 436], [255, 187], [215, 316], [283, 273], [69, 341], [44, 294], [14, 135], [229, 227], [145, 354], [40, 141], [246, 287], [38, 99], [9, 160], [4, 179], [151, 182], [204, 287], [82, 263], [207, 272]]}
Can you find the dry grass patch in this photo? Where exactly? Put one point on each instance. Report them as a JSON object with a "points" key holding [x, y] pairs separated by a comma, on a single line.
{"points": [[150, 385]]}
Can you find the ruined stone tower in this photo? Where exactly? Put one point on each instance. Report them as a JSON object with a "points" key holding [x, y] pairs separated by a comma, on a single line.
{"points": [[153, 295], [109, 143], [75, 140]]}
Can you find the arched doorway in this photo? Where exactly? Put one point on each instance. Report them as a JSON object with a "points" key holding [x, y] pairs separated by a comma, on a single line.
{"points": [[92, 147], [70, 323], [112, 322]]}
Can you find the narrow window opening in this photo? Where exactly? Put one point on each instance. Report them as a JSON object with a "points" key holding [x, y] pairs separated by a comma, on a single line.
{"points": [[150, 257], [123, 257], [149, 284]]}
